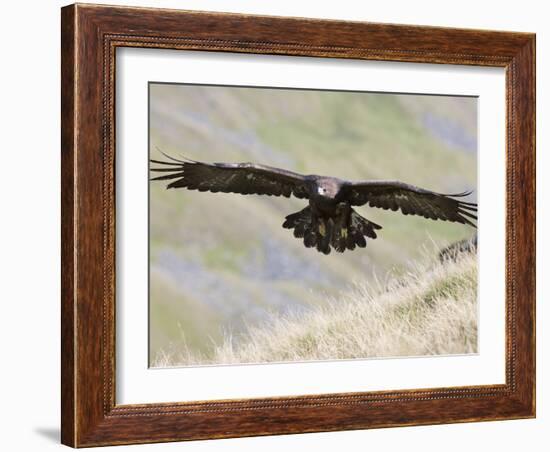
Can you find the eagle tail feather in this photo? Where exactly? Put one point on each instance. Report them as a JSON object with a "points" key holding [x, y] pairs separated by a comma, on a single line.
{"points": [[340, 232]]}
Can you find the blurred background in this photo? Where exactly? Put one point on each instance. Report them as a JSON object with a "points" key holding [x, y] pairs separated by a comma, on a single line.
{"points": [[222, 262]]}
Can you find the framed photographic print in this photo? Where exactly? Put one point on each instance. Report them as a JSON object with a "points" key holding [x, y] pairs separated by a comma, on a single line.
{"points": [[282, 225]]}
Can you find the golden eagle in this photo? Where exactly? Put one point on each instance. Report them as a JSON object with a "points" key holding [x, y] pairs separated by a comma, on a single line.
{"points": [[329, 219]]}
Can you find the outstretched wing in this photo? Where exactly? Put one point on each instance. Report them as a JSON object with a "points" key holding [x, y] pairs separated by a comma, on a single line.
{"points": [[412, 200], [243, 178]]}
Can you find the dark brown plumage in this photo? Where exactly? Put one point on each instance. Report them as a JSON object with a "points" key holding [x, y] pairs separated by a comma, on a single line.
{"points": [[329, 220]]}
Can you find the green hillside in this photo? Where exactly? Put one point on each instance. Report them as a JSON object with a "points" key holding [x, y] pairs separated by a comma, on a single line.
{"points": [[431, 310], [221, 263]]}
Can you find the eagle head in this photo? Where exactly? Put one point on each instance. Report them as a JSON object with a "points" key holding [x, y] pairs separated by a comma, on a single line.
{"points": [[328, 187]]}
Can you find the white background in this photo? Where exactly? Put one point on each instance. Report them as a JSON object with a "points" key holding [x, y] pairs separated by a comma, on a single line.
{"points": [[138, 384], [30, 225]]}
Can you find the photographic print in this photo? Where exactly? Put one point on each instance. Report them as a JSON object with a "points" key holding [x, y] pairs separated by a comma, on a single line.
{"points": [[282, 214], [294, 225]]}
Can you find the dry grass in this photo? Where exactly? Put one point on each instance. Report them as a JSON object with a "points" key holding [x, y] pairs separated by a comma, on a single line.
{"points": [[430, 310]]}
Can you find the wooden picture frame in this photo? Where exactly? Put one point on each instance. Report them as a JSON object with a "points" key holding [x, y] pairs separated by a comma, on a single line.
{"points": [[90, 36]]}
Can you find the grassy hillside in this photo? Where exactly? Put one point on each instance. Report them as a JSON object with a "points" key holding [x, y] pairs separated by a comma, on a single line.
{"points": [[220, 262], [429, 310]]}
